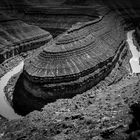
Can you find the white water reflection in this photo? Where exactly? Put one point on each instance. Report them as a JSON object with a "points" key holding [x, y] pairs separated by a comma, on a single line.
{"points": [[5, 109], [134, 61]]}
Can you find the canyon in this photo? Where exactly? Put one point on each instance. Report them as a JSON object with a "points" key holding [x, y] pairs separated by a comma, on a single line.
{"points": [[70, 69]]}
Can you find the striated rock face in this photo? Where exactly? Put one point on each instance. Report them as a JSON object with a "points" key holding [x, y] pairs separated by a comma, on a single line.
{"points": [[58, 22], [137, 38], [17, 36], [76, 60]]}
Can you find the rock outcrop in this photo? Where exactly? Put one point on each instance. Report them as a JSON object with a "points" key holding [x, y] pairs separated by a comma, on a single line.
{"points": [[17, 36], [76, 60]]}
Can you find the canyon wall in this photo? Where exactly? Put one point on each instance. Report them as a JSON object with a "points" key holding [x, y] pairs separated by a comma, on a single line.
{"points": [[137, 38], [76, 60]]}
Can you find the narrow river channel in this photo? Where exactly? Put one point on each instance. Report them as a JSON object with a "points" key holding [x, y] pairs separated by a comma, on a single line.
{"points": [[7, 111]]}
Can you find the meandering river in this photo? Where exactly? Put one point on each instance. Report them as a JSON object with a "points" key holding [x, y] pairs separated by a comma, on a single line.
{"points": [[7, 111]]}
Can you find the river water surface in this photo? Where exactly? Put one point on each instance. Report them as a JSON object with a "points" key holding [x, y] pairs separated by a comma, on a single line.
{"points": [[8, 112], [5, 109]]}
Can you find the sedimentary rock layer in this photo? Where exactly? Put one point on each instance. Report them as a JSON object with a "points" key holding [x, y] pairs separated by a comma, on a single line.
{"points": [[17, 36], [76, 60]]}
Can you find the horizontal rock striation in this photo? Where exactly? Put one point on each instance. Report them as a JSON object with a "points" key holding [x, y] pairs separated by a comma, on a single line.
{"points": [[17, 36], [76, 60]]}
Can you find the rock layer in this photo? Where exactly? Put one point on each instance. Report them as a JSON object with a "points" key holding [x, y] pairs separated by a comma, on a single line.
{"points": [[17, 36], [76, 60]]}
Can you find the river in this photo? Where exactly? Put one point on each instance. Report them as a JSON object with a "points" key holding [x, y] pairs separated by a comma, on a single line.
{"points": [[7, 111]]}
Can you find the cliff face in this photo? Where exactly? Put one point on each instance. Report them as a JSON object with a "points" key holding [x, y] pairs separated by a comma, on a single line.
{"points": [[17, 36]]}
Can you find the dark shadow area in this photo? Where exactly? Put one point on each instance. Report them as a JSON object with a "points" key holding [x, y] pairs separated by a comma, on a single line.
{"points": [[23, 102], [54, 31], [134, 127]]}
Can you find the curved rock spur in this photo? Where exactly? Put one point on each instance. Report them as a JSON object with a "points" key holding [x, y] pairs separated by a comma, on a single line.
{"points": [[76, 60]]}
